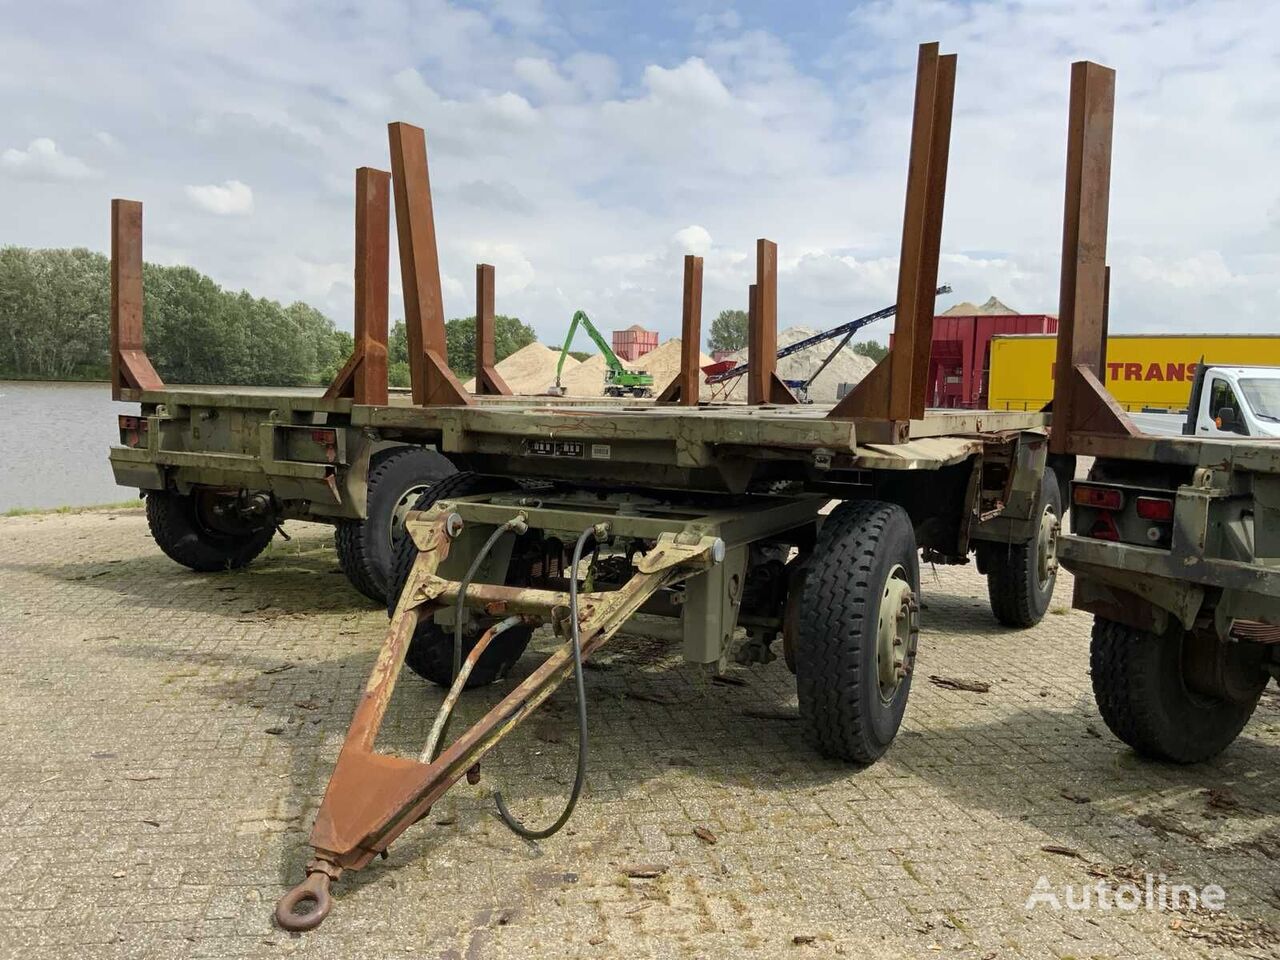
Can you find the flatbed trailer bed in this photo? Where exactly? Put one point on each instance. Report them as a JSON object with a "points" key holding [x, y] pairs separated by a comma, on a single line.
{"points": [[479, 517]]}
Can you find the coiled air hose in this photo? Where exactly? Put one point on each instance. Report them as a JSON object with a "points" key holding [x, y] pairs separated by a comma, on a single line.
{"points": [[581, 775]]}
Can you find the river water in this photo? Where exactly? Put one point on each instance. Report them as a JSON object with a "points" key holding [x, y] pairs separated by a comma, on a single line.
{"points": [[54, 439]]}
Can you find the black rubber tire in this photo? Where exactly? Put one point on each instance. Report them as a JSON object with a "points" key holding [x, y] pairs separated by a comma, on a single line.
{"points": [[177, 528], [364, 547], [1139, 689], [430, 653], [1013, 575], [842, 713]]}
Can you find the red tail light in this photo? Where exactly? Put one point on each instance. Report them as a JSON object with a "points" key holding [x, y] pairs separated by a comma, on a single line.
{"points": [[1104, 528], [1158, 509], [326, 437], [1100, 498], [133, 431]]}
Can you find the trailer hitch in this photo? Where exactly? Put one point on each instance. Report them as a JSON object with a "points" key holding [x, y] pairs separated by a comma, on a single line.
{"points": [[374, 797]]}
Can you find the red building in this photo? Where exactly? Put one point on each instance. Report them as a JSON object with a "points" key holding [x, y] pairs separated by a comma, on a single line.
{"points": [[960, 361], [634, 342]]}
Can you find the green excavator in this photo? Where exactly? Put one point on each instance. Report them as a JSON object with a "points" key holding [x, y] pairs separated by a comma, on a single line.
{"points": [[618, 380]]}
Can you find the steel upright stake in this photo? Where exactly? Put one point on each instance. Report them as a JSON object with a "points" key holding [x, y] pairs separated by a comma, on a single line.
{"points": [[895, 390], [433, 381], [1081, 403], [130, 368], [488, 381], [684, 388], [364, 376], [763, 384]]}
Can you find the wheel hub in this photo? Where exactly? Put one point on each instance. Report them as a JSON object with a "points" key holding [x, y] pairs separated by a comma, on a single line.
{"points": [[1047, 547], [401, 511], [897, 633]]}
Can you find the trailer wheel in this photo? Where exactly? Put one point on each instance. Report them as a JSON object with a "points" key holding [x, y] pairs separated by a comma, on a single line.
{"points": [[1139, 685], [430, 653], [1021, 577], [858, 630], [194, 530], [367, 548]]}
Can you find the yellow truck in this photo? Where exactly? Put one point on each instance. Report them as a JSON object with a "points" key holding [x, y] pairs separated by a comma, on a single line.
{"points": [[1143, 372]]}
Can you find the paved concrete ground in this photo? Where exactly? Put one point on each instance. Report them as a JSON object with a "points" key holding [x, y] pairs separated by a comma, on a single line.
{"points": [[165, 738]]}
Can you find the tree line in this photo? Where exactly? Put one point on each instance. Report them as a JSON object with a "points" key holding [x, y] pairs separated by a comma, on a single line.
{"points": [[55, 310], [55, 316]]}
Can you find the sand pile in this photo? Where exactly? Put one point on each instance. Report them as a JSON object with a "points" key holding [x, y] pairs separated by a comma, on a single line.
{"points": [[531, 370], [992, 308], [586, 379], [664, 362], [846, 367]]}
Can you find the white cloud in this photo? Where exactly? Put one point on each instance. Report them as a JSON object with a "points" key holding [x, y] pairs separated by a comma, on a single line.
{"points": [[693, 239], [586, 175], [543, 77], [692, 84], [512, 271], [230, 198], [42, 160]]}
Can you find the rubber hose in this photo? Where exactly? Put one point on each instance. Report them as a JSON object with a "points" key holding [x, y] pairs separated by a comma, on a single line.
{"points": [[581, 776], [466, 584]]}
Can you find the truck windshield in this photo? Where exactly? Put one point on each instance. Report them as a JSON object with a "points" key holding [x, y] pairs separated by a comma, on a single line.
{"points": [[1263, 397]]}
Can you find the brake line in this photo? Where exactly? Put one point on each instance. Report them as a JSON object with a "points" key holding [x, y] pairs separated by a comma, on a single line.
{"points": [[580, 777]]}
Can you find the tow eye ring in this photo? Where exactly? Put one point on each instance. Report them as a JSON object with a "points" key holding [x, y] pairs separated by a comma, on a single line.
{"points": [[314, 891]]}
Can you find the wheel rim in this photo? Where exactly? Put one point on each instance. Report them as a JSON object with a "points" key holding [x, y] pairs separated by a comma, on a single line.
{"points": [[1047, 547], [897, 633], [401, 510]]}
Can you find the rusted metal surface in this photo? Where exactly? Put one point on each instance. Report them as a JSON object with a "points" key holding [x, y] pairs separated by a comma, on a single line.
{"points": [[433, 382], [364, 376], [372, 798], [488, 381], [895, 390], [684, 388], [130, 367], [1080, 400], [763, 383]]}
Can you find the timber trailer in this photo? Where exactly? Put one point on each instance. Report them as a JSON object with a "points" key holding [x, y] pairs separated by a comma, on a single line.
{"points": [[1175, 541], [472, 516]]}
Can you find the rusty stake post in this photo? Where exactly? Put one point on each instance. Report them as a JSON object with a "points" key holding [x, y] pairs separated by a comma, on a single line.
{"points": [[895, 390], [1081, 402], [433, 381], [130, 367], [364, 376], [763, 384], [488, 381], [684, 388]]}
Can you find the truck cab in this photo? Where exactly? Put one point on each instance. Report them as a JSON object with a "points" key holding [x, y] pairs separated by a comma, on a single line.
{"points": [[1233, 401]]}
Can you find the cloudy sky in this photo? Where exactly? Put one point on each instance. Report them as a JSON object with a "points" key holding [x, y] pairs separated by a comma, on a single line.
{"points": [[584, 147]]}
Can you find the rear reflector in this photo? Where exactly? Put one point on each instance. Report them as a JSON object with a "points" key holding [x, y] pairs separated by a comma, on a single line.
{"points": [[1158, 509], [1101, 498]]}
